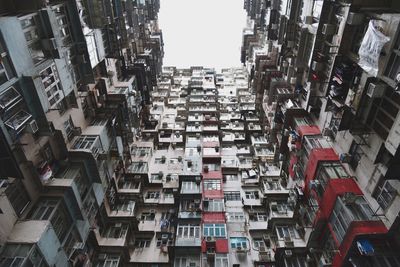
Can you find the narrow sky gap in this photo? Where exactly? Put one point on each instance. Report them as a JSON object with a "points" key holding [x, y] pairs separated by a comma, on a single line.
{"points": [[202, 32]]}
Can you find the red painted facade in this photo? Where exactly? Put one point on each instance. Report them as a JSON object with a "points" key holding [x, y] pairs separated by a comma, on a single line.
{"points": [[317, 155], [212, 175], [357, 228], [304, 130], [213, 217], [221, 246], [213, 194]]}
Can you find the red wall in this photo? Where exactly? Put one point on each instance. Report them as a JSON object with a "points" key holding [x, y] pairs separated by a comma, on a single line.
{"points": [[317, 155], [308, 130], [355, 229], [221, 246]]}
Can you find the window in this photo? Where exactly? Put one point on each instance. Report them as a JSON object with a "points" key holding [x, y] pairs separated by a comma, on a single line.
{"points": [[238, 242], [188, 231], [53, 210], [84, 142], [236, 216], [69, 128], [186, 262], [18, 255], [190, 186], [148, 216], [89, 206], [252, 195], [52, 85], [356, 154], [156, 176], [161, 242], [153, 195], [383, 112], [6, 69], [9, 97], [70, 242], [295, 262], [215, 205], [17, 196], [385, 194], [232, 195], [231, 177], [142, 243], [221, 260], [105, 260], [272, 185], [258, 216], [117, 230], [346, 211], [286, 231], [393, 66], [258, 243], [326, 172], [215, 230], [212, 185], [126, 206], [130, 185]]}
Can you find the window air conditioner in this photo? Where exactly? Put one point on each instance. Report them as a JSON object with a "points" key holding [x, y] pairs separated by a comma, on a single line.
{"points": [[375, 90], [33, 127], [102, 256], [329, 29], [288, 253]]}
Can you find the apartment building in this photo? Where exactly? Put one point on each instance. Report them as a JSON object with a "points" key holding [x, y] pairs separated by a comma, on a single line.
{"points": [[71, 94], [109, 158], [322, 107]]}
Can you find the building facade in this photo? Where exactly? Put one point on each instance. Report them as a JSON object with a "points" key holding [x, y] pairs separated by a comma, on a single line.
{"points": [[109, 158]]}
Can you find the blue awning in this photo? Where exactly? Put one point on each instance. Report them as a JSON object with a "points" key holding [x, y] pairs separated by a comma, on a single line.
{"points": [[365, 247]]}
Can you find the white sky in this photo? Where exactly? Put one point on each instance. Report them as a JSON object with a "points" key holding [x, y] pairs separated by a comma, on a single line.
{"points": [[202, 32]]}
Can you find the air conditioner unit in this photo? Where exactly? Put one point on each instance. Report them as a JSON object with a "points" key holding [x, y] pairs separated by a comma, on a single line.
{"points": [[197, 201], [355, 18], [329, 29], [317, 66], [288, 238], [274, 206], [210, 239], [309, 20], [288, 253], [49, 44], [274, 26], [102, 256], [205, 169], [345, 157], [376, 90], [324, 262], [118, 225], [164, 236], [152, 211], [33, 127]]}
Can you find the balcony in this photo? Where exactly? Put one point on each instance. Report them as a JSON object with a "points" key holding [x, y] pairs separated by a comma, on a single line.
{"points": [[188, 236], [280, 210], [113, 236], [190, 209], [189, 187], [88, 143]]}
